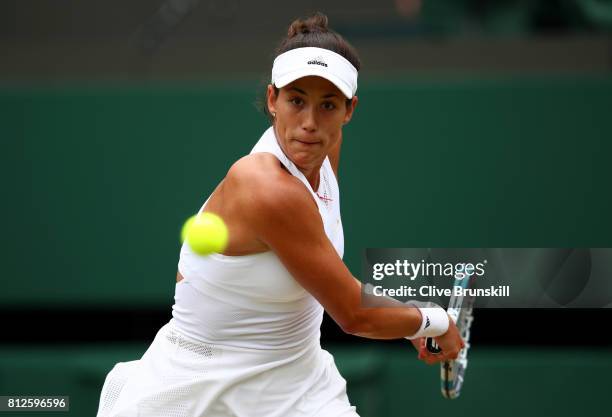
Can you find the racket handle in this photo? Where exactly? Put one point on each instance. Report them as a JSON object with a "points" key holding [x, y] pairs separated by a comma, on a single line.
{"points": [[432, 346]]}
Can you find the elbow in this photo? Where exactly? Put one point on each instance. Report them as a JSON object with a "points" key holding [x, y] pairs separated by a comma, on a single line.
{"points": [[348, 327], [355, 324]]}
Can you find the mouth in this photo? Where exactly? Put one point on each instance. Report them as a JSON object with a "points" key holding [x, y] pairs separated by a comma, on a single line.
{"points": [[305, 142]]}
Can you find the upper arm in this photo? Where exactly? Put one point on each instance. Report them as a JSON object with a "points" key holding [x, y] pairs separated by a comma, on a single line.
{"points": [[285, 218]]}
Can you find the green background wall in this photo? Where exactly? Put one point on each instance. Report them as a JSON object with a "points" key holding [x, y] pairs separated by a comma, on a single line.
{"points": [[99, 179]]}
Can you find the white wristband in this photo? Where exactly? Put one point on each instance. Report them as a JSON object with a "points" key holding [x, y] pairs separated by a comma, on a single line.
{"points": [[434, 323]]}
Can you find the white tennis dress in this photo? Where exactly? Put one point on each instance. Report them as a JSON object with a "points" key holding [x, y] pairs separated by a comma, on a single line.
{"points": [[244, 337]]}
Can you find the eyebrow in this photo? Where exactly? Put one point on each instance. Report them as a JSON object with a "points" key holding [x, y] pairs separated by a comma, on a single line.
{"points": [[304, 92]]}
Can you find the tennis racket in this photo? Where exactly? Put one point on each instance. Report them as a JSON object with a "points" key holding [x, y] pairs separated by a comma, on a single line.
{"points": [[460, 309]]}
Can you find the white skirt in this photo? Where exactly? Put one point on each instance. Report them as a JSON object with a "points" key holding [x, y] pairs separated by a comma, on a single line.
{"points": [[182, 377]]}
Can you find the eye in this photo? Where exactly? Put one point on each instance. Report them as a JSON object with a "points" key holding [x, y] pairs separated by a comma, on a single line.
{"points": [[328, 105], [297, 101]]}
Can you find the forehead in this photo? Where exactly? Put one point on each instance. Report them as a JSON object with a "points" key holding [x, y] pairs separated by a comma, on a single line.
{"points": [[313, 85]]}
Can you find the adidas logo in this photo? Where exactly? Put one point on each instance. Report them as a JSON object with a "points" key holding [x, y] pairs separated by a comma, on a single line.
{"points": [[427, 323], [317, 61]]}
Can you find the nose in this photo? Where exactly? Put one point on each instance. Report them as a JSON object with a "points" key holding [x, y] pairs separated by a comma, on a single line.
{"points": [[309, 119]]}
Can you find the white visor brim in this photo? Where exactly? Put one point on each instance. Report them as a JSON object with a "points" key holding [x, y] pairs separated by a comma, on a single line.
{"points": [[304, 62]]}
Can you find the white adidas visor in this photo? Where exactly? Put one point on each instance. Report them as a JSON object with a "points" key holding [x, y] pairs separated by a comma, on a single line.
{"points": [[302, 62]]}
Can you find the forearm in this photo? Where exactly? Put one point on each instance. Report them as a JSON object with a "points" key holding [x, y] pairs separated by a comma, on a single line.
{"points": [[334, 156], [386, 322], [383, 317]]}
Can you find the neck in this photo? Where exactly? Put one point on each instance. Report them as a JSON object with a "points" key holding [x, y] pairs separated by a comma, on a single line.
{"points": [[313, 178], [312, 174]]}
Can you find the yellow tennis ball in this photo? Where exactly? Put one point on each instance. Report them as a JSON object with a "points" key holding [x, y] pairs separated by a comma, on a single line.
{"points": [[186, 227], [205, 233]]}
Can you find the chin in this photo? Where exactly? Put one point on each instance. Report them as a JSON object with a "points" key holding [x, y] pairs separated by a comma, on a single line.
{"points": [[304, 159], [301, 158]]}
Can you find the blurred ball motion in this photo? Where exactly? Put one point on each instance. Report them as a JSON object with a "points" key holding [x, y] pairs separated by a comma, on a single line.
{"points": [[205, 233]]}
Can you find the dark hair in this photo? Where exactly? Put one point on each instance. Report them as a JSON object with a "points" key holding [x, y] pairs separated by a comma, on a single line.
{"points": [[314, 32]]}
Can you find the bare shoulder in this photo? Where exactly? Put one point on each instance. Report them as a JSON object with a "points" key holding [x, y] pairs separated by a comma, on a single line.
{"points": [[258, 197], [261, 183], [254, 167]]}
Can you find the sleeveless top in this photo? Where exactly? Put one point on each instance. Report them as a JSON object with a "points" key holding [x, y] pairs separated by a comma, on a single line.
{"points": [[252, 302]]}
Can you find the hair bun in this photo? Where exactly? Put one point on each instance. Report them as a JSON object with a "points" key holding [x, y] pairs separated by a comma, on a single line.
{"points": [[315, 23]]}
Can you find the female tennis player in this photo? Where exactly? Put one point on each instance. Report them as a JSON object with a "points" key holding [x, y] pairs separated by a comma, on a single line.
{"points": [[244, 337]]}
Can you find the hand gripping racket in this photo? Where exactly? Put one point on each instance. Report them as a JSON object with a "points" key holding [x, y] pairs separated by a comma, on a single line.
{"points": [[460, 309]]}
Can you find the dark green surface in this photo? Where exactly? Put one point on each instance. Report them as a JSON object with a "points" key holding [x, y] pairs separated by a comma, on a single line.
{"points": [[382, 381], [99, 179]]}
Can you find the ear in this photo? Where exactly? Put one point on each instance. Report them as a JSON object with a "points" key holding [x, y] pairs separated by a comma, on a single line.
{"points": [[350, 109], [271, 98]]}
